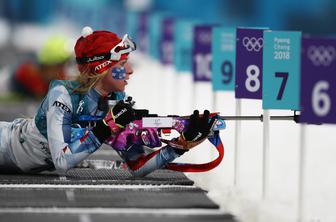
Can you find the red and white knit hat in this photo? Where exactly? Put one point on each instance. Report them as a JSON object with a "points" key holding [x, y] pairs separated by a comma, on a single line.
{"points": [[100, 50]]}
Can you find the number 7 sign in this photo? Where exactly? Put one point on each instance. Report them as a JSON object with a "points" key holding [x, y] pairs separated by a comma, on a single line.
{"points": [[281, 70], [318, 80]]}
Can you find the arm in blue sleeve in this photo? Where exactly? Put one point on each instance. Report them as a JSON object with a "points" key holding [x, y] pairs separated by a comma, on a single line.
{"points": [[66, 152], [141, 164]]}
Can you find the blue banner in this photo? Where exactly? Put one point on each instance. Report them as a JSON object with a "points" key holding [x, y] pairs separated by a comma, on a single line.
{"points": [[223, 58], [154, 34], [132, 25], [142, 34], [167, 41], [318, 80], [281, 70], [202, 53], [183, 46], [249, 58]]}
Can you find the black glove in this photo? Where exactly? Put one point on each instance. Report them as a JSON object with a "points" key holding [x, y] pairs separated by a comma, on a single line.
{"points": [[122, 113], [116, 119], [199, 127]]}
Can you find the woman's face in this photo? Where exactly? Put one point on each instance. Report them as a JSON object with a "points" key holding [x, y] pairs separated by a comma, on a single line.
{"points": [[110, 84]]}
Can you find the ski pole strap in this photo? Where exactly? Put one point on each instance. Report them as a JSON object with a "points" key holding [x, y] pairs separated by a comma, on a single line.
{"points": [[190, 167]]}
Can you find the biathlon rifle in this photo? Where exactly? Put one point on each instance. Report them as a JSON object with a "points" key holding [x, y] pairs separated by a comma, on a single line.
{"points": [[139, 132], [163, 125], [138, 129]]}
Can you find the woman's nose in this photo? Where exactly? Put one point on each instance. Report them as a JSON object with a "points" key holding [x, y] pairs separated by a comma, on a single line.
{"points": [[129, 69]]}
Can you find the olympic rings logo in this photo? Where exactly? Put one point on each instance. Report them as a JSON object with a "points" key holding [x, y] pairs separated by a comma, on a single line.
{"points": [[253, 44], [321, 55], [204, 37]]}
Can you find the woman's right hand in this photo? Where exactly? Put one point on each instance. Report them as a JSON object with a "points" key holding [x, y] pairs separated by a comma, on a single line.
{"points": [[115, 120], [119, 116]]}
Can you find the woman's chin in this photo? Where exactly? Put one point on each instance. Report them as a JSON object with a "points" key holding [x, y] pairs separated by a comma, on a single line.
{"points": [[122, 89]]}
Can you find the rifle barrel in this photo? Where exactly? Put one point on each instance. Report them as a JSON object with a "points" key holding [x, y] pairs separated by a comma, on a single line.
{"points": [[260, 118]]}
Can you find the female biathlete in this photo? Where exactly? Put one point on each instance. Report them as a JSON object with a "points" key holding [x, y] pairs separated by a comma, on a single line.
{"points": [[74, 118]]}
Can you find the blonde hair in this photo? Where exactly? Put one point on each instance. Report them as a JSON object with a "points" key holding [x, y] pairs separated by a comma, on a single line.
{"points": [[87, 80]]}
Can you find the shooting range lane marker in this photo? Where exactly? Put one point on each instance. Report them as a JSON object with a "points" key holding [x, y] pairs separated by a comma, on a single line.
{"points": [[119, 211], [84, 218], [62, 178], [100, 186], [70, 195]]}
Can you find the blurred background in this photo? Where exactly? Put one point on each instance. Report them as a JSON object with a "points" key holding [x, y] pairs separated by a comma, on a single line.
{"points": [[299, 155], [26, 26], [42, 18]]}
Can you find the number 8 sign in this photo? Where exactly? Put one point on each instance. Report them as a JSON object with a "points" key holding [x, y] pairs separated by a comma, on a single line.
{"points": [[318, 80], [249, 57]]}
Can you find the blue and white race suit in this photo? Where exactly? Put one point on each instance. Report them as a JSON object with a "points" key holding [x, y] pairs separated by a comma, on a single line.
{"points": [[54, 140]]}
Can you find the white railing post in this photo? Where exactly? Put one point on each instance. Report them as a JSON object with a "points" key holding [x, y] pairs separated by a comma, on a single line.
{"points": [[266, 152]]}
